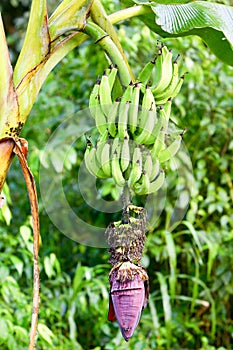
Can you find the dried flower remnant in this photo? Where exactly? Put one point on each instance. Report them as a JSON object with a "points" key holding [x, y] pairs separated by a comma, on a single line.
{"points": [[129, 283]]}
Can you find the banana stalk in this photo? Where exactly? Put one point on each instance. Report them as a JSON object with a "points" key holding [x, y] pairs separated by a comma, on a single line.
{"points": [[100, 17]]}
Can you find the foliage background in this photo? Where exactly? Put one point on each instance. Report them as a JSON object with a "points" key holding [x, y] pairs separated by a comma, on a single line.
{"points": [[74, 278]]}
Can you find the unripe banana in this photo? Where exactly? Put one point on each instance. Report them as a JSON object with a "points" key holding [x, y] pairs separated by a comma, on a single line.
{"points": [[136, 167], [170, 151], [100, 120], [112, 76], [155, 169], [144, 187], [92, 164], [164, 115], [157, 183], [168, 92], [148, 101], [105, 94], [94, 101], [125, 154], [105, 159], [147, 130], [145, 74], [159, 144], [166, 67], [158, 69], [150, 167], [112, 118], [175, 92], [94, 96], [127, 96], [155, 132], [148, 104], [134, 108], [114, 145], [100, 145], [123, 119], [116, 169], [167, 109]]}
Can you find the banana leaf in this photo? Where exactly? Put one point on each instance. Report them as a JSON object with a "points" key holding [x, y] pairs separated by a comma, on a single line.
{"points": [[210, 21]]}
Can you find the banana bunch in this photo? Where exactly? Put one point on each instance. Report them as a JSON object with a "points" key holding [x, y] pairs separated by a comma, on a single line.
{"points": [[129, 163], [133, 142], [163, 75]]}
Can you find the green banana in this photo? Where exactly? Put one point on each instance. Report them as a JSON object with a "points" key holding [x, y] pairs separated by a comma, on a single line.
{"points": [[148, 101], [136, 167], [112, 118], [94, 96], [150, 167], [164, 113], [159, 143], [105, 159], [168, 92], [123, 118], [167, 109], [125, 154], [157, 183], [165, 71], [112, 76], [127, 95], [114, 145], [148, 104], [116, 169], [147, 129], [94, 102], [92, 164], [100, 120], [105, 94], [170, 151], [143, 187], [133, 110], [100, 144], [155, 170], [145, 74], [158, 123], [158, 68]]}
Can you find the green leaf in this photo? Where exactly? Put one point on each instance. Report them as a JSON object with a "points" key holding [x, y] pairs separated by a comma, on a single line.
{"points": [[171, 250], [165, 297], [17, 263], [212, 22], [45, 333], [3, 330]]}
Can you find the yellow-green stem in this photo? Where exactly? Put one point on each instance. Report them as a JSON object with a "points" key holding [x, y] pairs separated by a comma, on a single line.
{"points": [[103, 39], [127, 13], [100, 17]]}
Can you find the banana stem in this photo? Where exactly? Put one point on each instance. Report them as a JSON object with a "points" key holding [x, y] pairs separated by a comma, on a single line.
{"points": [[130, 12], [103, 39], [100, 17], [126, 197]]}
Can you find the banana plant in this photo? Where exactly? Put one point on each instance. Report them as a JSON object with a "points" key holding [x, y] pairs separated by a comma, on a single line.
{"points": [[49, 39]]}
